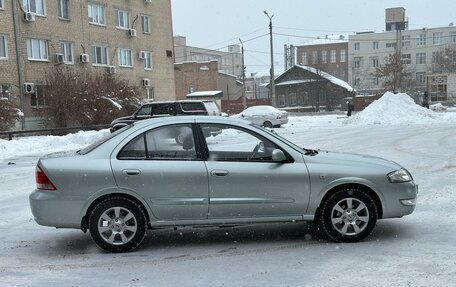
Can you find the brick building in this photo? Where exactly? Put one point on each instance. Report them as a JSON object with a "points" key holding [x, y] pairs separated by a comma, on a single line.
{"points": [[328, 54], [129, 39], [229, 62], [194, 77]]}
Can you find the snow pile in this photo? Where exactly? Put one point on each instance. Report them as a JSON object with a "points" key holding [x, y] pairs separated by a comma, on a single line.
{"points": [[40, 145], [393, 109]]}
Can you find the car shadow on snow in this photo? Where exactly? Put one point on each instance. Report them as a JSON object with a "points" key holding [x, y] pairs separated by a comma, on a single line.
{"points": [[73, 243]]}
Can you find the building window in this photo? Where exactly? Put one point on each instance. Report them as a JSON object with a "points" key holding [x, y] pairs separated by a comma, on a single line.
{"points": [[375, 45], [125, 58], [421, 77], [333, 56], [391, 45], [374, 61], [357, 81], [453, 37], [435, 57], [304, 58], [314, 57], [437, 38], [96, 14], [375, 81], [66, 49], [324, 56], [34, 6], [343, 55], [406, 59], [145, 24], [420, 58], [406, 41], [3, 47], [100, 55], [357, 46], [63, 9], [148, 60], [37, 49], [292, 100], [1, 5], [150, 93], [281, 99], [37, 98], [122, 19], [5, 92], [357, 62], [421, 40]]}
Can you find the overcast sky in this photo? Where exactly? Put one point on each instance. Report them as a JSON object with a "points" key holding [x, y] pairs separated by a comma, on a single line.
{"points": [[214, 24]]}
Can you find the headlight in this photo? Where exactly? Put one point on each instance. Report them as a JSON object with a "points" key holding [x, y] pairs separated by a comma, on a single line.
{"points": [[401, 175]]}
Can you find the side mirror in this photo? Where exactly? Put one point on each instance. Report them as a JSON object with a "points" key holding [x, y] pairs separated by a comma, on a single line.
{"points": [[278, 155]]}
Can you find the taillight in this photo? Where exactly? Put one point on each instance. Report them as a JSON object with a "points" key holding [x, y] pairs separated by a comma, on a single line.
{"points": [[42, 181]]}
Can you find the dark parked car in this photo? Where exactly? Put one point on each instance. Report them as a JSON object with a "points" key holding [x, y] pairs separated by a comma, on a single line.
{"points": [[168, 108]]}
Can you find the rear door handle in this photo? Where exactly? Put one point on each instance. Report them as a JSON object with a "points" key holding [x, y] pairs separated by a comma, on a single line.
{"points": [[219, 172], [131, 172]]}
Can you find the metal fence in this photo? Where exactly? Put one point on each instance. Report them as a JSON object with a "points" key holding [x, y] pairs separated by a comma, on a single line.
{"points": [[52, 131]]}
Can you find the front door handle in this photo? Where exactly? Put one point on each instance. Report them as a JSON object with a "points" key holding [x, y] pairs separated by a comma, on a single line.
{"points": [[131, 172], [219, 172]]}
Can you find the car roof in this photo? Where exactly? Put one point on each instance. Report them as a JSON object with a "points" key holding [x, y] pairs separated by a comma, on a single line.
{"points": [[191, 119]]}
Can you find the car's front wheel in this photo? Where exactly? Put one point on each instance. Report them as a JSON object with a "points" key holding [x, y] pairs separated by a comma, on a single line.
{"points": [[349, 215], [117, 225]]}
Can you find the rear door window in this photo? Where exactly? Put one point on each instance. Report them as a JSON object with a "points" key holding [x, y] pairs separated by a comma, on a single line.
{"points": [[175, 142], [161, 109]]}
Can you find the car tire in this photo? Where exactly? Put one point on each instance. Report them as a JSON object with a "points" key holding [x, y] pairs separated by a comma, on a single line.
{"points": [[348, 215], [117, 225], [267, 124]]}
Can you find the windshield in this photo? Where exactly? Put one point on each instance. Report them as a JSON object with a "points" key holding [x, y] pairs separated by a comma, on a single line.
{"points": [[289, 143]]}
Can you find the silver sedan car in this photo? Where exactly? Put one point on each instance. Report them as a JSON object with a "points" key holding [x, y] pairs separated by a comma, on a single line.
{"points": [[140, 178]]}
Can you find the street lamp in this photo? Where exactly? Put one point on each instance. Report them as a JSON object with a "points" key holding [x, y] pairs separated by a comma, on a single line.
{"points": [[271, 72]]}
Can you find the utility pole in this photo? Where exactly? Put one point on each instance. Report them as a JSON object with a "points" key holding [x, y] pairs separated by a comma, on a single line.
{"points": [[18, 62], [244, 100], [271, 72]]}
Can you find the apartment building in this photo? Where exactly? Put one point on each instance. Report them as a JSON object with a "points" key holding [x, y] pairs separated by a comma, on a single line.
{"points": [[131, 40], [419, 50], [328, 54], [229, 61]]}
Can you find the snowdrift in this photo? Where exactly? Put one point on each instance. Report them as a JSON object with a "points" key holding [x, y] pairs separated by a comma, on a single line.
{"points": [[393, 109]]}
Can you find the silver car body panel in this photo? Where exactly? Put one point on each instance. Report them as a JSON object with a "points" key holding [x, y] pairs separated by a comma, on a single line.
{"points": [[187, 193]]}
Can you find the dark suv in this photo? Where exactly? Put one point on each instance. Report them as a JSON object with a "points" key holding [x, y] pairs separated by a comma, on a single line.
{"points": [[166, 109]]}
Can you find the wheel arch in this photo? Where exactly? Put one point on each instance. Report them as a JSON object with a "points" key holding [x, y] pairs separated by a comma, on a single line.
{"points": [[364, 188], [94, 203]]}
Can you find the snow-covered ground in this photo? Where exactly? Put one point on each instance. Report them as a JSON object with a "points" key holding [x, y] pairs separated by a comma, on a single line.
{"points": [[417, 250]]}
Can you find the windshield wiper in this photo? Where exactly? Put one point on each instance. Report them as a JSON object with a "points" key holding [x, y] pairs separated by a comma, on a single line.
{"points": [[310, 152]]}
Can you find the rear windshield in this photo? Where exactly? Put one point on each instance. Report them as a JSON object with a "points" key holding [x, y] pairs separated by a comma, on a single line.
{"points": [[101, 141], [144, 110]]}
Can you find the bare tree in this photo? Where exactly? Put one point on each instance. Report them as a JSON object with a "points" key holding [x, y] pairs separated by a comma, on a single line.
{"points": [[445, 60], [394, 73], [86, 97]]}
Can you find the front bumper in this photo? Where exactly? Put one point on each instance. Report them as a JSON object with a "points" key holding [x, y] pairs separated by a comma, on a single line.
{"points": [[50, 208], [401, 199]]}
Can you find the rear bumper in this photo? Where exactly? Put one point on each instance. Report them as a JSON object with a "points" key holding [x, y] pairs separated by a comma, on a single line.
{"points": [[49, 208]]}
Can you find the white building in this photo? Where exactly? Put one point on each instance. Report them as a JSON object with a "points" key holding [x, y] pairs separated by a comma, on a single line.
{"points": [[419, 49]]}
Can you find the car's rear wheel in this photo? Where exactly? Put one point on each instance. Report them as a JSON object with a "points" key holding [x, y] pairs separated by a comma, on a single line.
{"points": [[349, 215], [267, 124], [117, 225]]}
